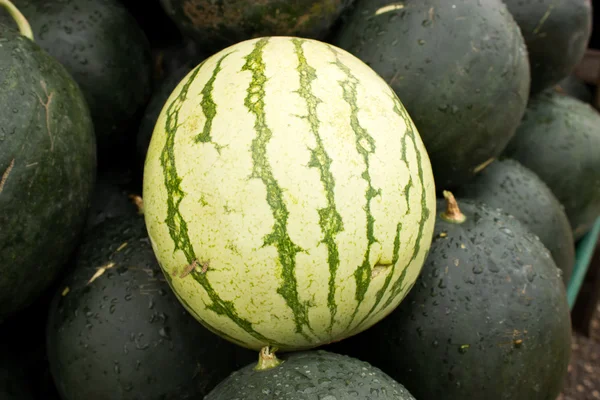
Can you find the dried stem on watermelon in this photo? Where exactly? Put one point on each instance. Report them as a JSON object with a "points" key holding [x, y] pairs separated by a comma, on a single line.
{"points": [[139, 203], [190, 267], [267, 359], [22, 23], [4, 177], [452, 213]]}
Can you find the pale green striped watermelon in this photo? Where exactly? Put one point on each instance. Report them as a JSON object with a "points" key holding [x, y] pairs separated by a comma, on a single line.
{"points": [[287, 194]]}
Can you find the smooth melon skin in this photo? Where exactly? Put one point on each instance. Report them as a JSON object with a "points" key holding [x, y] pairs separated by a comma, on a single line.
{"points": [[104, 50], [287, 178], [556, 33], [216, 25], [120, 333], [459, 67], [47, 169], [488, 317], [311, 375], [508, 185], [559, 140]]}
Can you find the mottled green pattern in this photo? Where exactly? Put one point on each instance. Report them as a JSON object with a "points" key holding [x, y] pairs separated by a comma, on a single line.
{"points": [[176, 223], [261, 169], [209, 107], [388, 278], [365, 145], [330, 219], [398, 288]]}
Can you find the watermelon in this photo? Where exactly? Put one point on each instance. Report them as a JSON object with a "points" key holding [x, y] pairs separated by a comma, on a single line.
{"points": [[47, 167], [517, 190], [452, 63], [104, 50], [215, 25], [289, 187], [576, 87], [154, 107], [559, 139], [309, 375], [116, 331], [488, 317], [556, 33]]}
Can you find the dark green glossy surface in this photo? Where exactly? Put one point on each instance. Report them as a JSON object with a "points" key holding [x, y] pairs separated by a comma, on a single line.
{"points": [[459, 67], [104, 50], [48, 165]]}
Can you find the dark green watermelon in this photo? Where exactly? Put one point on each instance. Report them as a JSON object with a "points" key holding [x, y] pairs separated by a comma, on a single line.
{"points": [[559, 140], [105, 51], [47, 169], [575, 87], [117, 331], [459, 67], [487, 318], [216, 25], [508, 185], [556, 32], [308, 375], [174, 56]]}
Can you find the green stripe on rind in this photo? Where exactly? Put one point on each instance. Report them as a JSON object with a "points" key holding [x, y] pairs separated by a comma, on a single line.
{"points": [[214, 330], [209, 107], [330, 219], [409, 185], [177, 225], [398, 287], [382, 291], [388, 279], [365, 145], [261, 169]]}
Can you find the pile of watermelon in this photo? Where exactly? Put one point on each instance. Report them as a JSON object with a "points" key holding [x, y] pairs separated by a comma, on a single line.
{"points": [[276, 199]]}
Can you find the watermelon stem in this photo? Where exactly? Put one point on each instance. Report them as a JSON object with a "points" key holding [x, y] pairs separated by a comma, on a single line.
{"points": [[267, 359], [452, 213], [137, 200], [22, 23]]}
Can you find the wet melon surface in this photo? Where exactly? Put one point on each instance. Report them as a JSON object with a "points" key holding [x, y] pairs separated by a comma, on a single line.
{"points": [[47, 169]]}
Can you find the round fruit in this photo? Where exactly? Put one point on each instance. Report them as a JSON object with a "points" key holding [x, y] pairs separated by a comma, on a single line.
{"points": [[47, 168], [104, 50], [215, 26], [488, 317], [556, 33], [559, 139], [287, 194], [575, 87], [453, 64], [306, 376], [508, 185], [116, 331], [155, 106]]}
